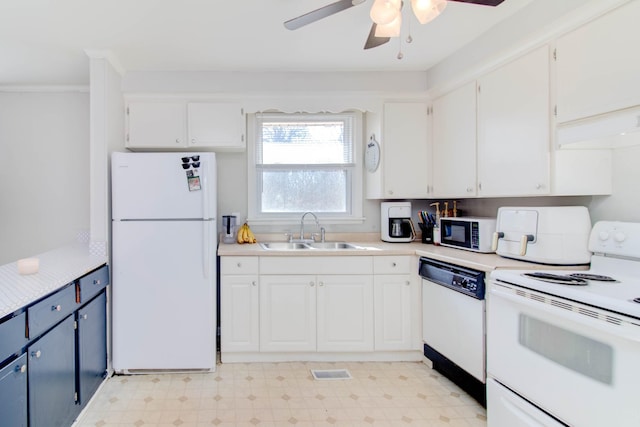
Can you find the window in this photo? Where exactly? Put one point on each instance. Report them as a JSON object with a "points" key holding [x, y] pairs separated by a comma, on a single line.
{"points": [[305, 162]]}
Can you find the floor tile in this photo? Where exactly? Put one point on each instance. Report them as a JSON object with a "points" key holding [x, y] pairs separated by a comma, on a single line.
{"points": [[285, 394]]}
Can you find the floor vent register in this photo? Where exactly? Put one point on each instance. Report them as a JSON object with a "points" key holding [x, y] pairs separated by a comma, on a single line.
{"points": [[331, 374]]}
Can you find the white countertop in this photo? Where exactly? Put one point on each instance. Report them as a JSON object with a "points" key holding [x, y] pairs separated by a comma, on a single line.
{"points": [[469, 259], [57, 268]]}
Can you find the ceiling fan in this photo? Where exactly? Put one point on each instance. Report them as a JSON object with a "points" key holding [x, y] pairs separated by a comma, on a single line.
{"points": [[381, 30]]}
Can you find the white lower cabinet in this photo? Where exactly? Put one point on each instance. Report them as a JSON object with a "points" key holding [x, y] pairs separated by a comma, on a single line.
{"points": [[240, 316], [345, 313], [392, 295], [240, 304], [318, 307], [288, 313]]}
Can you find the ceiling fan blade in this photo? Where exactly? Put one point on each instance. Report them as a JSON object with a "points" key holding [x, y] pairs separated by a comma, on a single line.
{"points": [[323, 12], [481, 2], [372, 40]]}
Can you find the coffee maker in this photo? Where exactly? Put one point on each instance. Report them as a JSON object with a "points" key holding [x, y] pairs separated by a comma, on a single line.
{"points": [[395, 222]]}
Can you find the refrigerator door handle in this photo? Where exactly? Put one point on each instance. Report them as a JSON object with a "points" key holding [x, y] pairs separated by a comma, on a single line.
{"points": [[206, 253], [205, 195]]}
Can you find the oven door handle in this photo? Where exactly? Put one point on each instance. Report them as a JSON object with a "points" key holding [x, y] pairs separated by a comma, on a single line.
{"points": [[624, 330]]}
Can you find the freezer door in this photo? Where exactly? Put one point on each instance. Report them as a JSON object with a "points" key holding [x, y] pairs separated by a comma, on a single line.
{"points": [[164, 303], [163, 185]]}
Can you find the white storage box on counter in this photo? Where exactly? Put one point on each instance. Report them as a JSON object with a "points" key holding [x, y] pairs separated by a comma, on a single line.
{"points": [[549, 234]]}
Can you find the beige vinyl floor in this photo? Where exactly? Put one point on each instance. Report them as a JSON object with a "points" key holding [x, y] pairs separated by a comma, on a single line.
{"points": [[285, 394]]}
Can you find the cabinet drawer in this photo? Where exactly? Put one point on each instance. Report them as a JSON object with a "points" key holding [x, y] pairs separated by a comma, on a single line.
{"points": [[238, 265], [93, 283], [12, 335], [51, 310], [391, 264], [316, 265]]}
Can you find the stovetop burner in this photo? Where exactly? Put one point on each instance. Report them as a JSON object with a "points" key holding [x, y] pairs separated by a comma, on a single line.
{"points": [[556, 278], [596, 277]]}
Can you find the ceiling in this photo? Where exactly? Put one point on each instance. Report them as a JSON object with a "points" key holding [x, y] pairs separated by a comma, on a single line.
{"points": [[44, 41]]}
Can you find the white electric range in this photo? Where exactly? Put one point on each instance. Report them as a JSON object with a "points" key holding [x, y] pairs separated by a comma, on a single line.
{"points": [[563, 346]]}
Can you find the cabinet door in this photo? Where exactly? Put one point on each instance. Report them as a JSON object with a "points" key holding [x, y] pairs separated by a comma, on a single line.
{"points": [[52, 380], [216, 125], [13, 393], [156, 125], [598, 65], [345, 313], [92, 347], [405, 155], [287, 313], [454, 143], [392, 302], [513, 128], [239, 313]]}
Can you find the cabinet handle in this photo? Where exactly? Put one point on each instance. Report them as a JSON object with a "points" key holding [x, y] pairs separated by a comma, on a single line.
{"points": [[56, 307], [239, 264], [96, 282], [84, 317], [21, 368], [408, 283], [321, 284], [311, 284], [177, 140], [469, 189], [538, 187], [36, 354], [393, 264], [254, 283]]}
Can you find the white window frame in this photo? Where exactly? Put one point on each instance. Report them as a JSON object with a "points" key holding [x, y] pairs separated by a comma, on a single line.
{"points": [[357, 191]]}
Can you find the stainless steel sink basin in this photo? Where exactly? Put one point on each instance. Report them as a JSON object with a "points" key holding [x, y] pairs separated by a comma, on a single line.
{"points": [[284, 246], [334, 245], [313, 246]]}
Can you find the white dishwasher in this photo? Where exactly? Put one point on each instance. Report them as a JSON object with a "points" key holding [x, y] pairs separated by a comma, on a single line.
{"points": [[453, 328]]}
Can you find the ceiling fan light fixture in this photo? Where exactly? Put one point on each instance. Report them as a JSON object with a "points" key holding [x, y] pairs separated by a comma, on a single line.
{"points": [[384, 12], [391, 29], [427, 10]]}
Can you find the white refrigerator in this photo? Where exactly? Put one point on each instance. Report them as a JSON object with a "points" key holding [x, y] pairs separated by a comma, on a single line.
{"points": [[164, 261]]}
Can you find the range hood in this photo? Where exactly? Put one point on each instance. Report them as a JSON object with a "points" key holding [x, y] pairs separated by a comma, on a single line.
{"points": [[615, 129]]}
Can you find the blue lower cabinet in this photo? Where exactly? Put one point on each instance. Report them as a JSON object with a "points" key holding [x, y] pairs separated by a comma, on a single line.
{"points": [[13, 393], [92, 348], [52, 377]]}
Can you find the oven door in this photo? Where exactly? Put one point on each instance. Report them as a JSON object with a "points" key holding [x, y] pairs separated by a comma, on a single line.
{"points": [[578, 363]]}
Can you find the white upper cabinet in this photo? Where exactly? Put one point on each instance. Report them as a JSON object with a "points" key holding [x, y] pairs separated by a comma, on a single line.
{"points": [[215, 125], [454, 143], [514, 128], [162, 124], [156, 125], [404, 151], [598, 65]]}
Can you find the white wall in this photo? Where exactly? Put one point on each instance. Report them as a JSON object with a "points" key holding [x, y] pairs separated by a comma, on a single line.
{"points": [[44, 171]]}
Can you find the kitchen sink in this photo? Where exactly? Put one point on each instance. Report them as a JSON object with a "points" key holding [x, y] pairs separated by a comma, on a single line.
{"points": [[296, 246], [284, 246]]}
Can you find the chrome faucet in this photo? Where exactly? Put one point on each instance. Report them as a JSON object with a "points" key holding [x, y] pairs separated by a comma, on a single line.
{"points": [[302, 225]]}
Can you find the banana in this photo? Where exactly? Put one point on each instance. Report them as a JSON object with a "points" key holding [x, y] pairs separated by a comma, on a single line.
{"points": [[251, 238], [245, 235], [240, 237]]}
